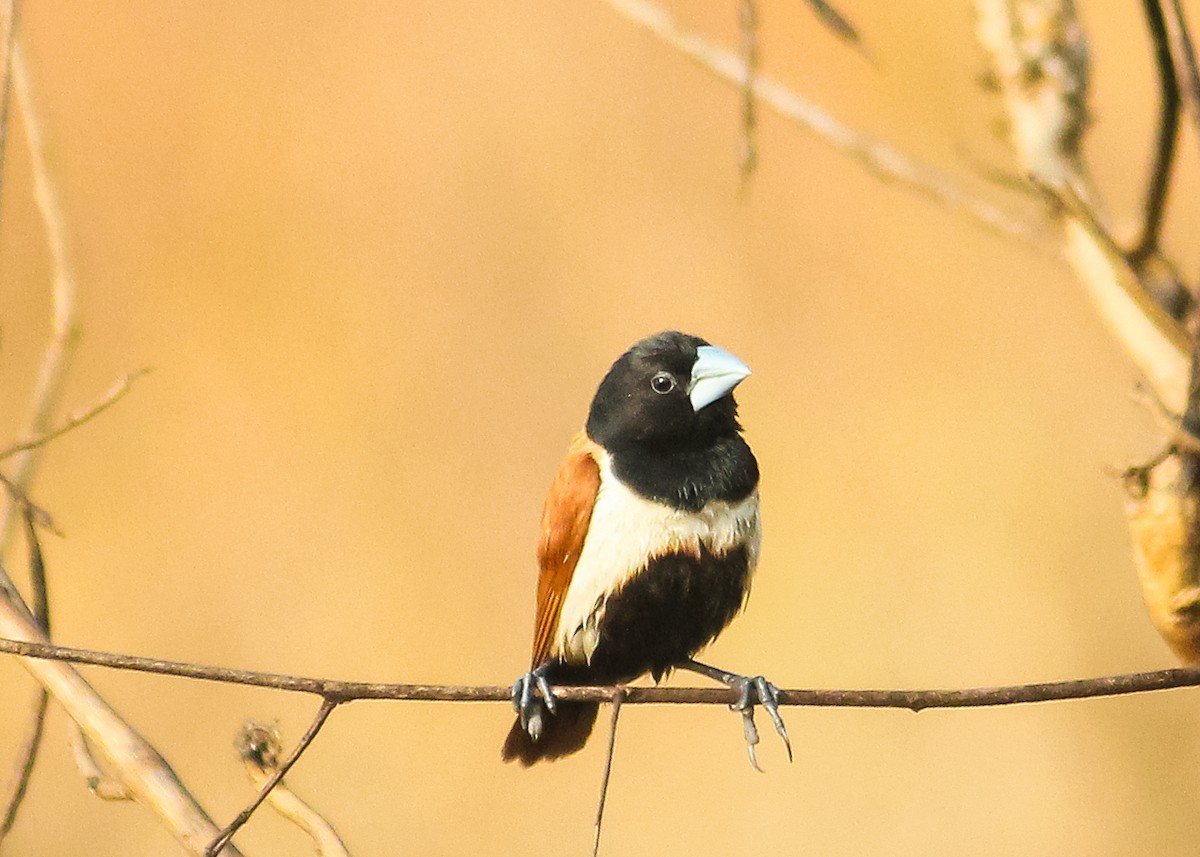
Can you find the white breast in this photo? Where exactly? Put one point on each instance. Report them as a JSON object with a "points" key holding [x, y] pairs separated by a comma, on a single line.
{"points": [[627, 531]]}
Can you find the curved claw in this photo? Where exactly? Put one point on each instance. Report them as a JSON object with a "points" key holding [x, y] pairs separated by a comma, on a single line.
{"points": [[768, 697], [753, 691], [751, 733], [530, 708]]}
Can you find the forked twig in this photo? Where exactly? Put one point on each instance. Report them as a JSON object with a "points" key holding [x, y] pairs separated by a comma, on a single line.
{"points": [[39, 596], [64, 331], [222, 838], [259, 747], [139, 766], [114, 395], [877, 157]]}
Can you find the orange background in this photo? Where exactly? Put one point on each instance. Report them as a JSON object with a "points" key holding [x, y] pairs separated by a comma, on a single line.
{"points": [[380, 254]]}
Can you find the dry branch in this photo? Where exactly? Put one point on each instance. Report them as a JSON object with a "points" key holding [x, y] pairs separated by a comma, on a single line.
{"points": [[138, 765], [877, 157], [1048, 119], [114, 395], [618, 699], [347, 691], [35, 729], [222, 838], [1039, 54], [49, 385], [1168, 132], [1183, 55], [260, 748], [64, 335]]}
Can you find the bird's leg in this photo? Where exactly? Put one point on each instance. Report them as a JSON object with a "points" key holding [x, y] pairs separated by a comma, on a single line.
{"points": [[752, 690], [529, 707]]}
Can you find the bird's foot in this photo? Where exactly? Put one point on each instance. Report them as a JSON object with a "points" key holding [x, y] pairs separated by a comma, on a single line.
{"points": [[752, 691], [532, 708]]}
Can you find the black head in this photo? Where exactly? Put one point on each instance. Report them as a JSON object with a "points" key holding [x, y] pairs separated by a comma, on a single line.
{"points": [[668, 389]]}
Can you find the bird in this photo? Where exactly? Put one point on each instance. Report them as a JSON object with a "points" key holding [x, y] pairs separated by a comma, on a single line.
{"points": [[650, 535]]}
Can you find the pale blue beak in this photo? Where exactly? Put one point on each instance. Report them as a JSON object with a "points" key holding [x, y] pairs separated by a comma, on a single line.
{"points": [[715, 374]]}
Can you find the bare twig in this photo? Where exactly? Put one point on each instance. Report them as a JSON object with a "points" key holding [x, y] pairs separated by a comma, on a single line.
{"points": [[617, 698], [39, 595], [41, 518], [748, 22], [44, 400], [50, 378], [879, 158], [100, 784], [222, 838], [1156, 342], [26, 759], [1168, 132], [259, 747], [139, 766], [1183, 54], [64, 331], [114, 395], [1040, 58], [8, 30], [345, 691]]}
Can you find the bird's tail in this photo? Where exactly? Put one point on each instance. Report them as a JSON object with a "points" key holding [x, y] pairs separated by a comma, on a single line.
{"points": [[563, 733]]}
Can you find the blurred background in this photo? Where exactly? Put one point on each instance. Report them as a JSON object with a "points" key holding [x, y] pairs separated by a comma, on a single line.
{"points": [[380, 254]]}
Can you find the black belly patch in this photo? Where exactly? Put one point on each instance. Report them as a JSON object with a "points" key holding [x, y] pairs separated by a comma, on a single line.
{"points": [[662, 616]]}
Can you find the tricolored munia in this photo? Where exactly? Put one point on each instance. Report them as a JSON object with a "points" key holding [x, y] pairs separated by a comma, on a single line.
{"points": [[650, 535]]}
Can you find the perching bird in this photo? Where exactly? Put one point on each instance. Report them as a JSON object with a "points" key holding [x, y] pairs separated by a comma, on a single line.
{"points": [[650, 535]]}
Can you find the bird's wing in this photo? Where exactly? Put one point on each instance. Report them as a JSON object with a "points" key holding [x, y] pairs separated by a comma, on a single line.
{"points": [[565, 520]]}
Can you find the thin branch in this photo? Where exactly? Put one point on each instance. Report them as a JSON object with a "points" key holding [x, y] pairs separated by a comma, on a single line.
{"points": [[1156, 342], [617, 699], [114, 395], [55, 361], [99, 783], [140, 767], [346, 691], [1168, 133], [64, 333], [1183, 54], [27, 757], [8, 30], [259, 747], [1038, 51], [748, 23], [222, 839], [878, 158]]}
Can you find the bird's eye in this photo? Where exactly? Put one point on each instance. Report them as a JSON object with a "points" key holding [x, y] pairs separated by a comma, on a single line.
{"points": [[662, 383]]}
